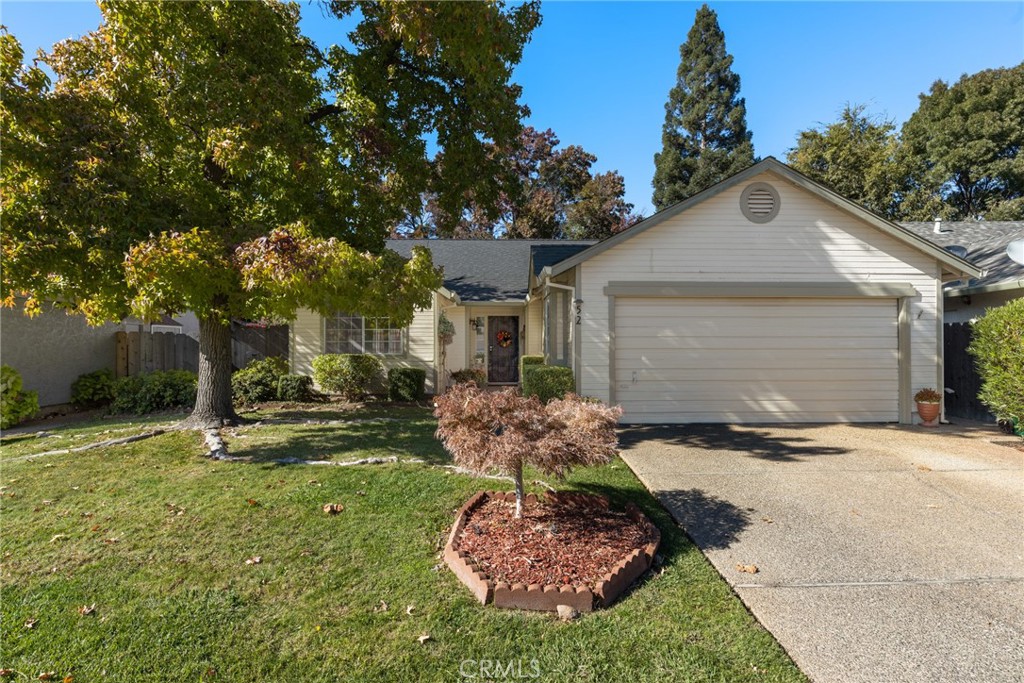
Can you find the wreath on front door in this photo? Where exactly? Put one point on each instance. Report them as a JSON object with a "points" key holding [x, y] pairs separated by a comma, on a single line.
{"points": [[504, 338]]}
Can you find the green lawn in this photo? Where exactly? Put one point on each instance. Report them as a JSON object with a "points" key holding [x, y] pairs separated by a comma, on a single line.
{"points": [[157, 538]]}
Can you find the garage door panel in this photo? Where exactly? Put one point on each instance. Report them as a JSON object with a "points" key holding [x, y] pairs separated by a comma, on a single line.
{"points": [[756, 360]]}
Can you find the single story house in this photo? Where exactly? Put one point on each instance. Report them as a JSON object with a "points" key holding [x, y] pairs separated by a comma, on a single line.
{"points": [[765, 298], [984, 244]]}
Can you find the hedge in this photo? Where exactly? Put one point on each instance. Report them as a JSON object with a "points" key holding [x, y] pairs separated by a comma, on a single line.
{"points": [[153, 391], [257, 381], [297, 388], [350, 374], [16, 405], [548, 381], [93, 388], [406, 384], [998, 350], [529, 360]]}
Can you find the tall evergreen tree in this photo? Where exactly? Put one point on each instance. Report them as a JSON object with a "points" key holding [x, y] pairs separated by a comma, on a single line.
{"points": [[705, 137]]}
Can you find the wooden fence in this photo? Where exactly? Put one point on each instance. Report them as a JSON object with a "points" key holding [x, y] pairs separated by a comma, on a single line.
{"points": [[139, 352], [961, 375]]}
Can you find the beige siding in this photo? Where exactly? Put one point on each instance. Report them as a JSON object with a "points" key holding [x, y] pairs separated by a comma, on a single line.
{"points": [[534, 327], [810, 240], [455, 357], [307, 343]]}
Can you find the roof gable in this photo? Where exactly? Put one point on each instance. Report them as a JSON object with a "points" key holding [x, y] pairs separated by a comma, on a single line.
{"points": [[490, 270], [953, 263]]}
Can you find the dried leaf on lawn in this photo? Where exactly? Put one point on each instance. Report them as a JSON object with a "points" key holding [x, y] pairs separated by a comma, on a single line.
{"points": [[409, 609], [31, 623], [86, 610], [382, 607], [424, 638], [254, 560], [333, 508]]}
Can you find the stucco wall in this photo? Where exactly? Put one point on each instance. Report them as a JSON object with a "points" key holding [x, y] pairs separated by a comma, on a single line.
{"points": [[53, 349]]}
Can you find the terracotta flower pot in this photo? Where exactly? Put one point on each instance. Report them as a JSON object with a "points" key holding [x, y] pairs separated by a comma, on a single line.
{"points": [[928, 413]]}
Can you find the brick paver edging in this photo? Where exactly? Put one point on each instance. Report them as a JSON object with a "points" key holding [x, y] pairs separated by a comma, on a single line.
{"points": [[547, 598]]}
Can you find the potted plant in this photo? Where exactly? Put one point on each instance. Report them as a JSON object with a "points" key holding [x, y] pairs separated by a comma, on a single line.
{"points": [[928, 401]]}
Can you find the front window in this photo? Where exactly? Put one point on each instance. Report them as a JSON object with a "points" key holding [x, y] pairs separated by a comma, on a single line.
{"points": [[346, 333]]}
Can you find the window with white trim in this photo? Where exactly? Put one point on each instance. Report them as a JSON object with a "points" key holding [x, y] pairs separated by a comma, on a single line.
{"points": [[347, 333]]}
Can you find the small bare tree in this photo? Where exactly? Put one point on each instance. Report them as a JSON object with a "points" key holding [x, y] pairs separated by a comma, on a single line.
{"points": [[503, 431]]}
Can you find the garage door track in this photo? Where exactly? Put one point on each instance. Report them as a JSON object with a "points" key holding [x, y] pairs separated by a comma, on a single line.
{"points": [[883, 553]]}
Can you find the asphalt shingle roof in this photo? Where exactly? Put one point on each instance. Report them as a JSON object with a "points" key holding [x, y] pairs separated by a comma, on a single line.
{"points": [[985, 242], [489, 270]]}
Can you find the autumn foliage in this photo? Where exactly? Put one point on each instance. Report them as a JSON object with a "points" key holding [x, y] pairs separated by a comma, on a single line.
{"points": [[503, 431]]}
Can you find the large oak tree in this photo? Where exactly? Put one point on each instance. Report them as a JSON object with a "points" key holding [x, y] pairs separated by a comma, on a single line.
{"points": [[206, 156]]}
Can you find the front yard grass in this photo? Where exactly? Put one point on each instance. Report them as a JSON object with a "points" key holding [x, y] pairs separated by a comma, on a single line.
{"points": [[157, 538]]}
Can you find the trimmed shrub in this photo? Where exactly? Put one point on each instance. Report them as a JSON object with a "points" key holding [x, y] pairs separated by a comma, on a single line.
{"points": [[152, 391], [406, 384], [258, 380], [16, 405], [350, 374], [998, 350], [93, 388], [528, 360], [470, 375], [295, 388], [547, 382]]}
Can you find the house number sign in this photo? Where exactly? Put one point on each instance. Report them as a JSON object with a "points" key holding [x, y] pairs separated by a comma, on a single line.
{"points": [[579, 311]]}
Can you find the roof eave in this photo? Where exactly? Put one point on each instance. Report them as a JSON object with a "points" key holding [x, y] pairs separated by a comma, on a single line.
{"points": [[984, 289]]}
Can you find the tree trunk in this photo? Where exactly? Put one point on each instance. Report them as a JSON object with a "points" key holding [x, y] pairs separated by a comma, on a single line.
{"points": [[213, 400], [518, 476]]}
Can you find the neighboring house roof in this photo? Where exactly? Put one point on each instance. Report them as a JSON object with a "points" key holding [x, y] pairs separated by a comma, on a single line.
{"points": [[955, 264], [489, 270], [985, 242]]}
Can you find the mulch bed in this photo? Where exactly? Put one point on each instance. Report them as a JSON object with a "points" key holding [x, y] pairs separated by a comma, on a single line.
{"points": [[553, 543]]}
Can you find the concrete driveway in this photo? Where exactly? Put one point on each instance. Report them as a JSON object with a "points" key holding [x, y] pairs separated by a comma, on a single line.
{"points": [[884, 553]]}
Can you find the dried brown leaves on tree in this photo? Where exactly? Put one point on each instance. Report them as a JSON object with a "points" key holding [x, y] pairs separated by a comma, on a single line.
{"points": [[503, 431]]}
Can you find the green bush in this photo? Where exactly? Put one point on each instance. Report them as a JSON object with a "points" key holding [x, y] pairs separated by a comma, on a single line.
{"points": [[16, 405], [351, 375], [93, 388], [529, 360], [295, 388], [998, 350], [470, 375], [257, 381], [548, 381], [406, 384], [149, 392]]}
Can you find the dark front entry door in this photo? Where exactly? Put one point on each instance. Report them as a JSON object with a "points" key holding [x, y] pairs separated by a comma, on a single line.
{"points": [[503, 349]]}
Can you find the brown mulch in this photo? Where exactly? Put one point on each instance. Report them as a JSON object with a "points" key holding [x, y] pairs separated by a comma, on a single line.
{"points": [[551, 544]]}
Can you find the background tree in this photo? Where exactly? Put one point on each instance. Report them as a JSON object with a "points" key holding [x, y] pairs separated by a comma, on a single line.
{"points": [[857, 156], [705, 137], [207, 157], [503, 431], [963, 146], [543, 193]]}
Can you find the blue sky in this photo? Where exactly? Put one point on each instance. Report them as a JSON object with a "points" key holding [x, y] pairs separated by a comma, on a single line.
{"points": [[598, 73]]}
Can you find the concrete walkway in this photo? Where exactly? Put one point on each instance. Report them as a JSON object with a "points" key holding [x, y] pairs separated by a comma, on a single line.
{"points": [[884, 554]]}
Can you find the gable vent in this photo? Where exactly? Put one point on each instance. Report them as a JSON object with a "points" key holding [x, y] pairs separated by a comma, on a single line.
{"points": [[759, 202]]}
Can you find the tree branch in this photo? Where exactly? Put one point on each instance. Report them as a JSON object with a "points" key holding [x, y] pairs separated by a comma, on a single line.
{"points": [[323, 112]]}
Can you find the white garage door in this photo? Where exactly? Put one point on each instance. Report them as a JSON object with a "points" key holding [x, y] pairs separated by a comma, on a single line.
{"points": [[756, 360]]}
